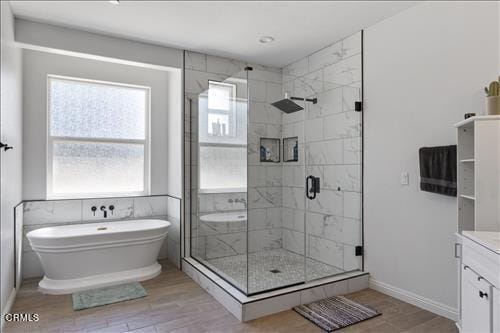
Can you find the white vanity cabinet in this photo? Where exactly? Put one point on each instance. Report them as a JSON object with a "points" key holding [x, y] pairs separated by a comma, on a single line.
{"points": [[476, 302], [496, 310], [480, 282]]}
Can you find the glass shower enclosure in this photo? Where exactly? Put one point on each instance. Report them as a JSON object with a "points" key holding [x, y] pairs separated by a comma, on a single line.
{"points": [[275, 191]]}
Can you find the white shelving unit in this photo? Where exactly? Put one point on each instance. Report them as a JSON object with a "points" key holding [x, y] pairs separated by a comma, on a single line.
{"points": [[478, 189], [478, 173]]}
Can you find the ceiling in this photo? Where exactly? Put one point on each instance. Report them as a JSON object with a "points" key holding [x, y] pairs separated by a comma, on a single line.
{"points": [[225, 28]]}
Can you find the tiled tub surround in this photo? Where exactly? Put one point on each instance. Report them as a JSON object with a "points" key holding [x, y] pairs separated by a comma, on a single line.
{"points": [[331, 133], [219, 240], [41, 214]]}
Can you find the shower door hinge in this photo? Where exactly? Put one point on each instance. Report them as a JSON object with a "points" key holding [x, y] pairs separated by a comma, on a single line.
{"points": [[358, 250], [358, 106]]}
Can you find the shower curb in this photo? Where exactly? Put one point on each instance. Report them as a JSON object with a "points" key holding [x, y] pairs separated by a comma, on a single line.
{"points": [[246, 308]]}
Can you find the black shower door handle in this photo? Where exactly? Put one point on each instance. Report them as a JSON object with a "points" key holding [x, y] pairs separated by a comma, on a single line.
{"points": [[312, 187]]}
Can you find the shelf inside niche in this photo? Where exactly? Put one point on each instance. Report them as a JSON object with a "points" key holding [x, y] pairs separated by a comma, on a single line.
{"points": [[468, 160], [466, 196], [291, 149], [269, 150]]}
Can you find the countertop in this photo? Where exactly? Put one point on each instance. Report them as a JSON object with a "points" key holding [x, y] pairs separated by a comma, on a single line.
{"points": [[488, 239]]}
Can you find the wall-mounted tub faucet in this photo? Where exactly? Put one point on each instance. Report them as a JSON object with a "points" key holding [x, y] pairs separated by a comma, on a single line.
{"points": [[243, 201], [103, 209]]}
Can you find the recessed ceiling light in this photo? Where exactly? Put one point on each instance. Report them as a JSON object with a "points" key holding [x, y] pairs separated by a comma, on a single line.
{"points": [[114, 2], [266, 39]]}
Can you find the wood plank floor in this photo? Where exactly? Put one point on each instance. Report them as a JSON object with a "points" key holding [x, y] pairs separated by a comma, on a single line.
{"points": [[177, 304]]}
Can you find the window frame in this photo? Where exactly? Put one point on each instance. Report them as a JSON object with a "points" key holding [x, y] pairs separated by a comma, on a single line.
{"points": [[146, 143]]}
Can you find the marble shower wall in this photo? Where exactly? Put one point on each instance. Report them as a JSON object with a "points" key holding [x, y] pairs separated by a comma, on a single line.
{"points": [[264, 178], [329, 133], [49, 213], [263, 196]]}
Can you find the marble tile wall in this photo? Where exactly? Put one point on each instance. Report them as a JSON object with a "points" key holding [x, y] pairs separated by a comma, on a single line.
{"points": [[40, 214], [329, 133], [263, 199]]}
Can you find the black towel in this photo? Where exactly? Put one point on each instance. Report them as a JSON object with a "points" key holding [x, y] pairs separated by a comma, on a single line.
{"points": [[438, 170]]}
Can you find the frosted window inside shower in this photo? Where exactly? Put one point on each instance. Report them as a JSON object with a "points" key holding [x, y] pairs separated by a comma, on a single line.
{"points": [[98, 138], [97, 167], [220, 95], [223, 168], [94, 110]]}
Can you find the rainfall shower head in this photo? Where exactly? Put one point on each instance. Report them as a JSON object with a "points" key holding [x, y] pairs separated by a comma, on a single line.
{"points": [[287, 105]]}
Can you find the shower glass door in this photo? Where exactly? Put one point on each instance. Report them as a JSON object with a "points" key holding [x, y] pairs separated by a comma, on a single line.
{"points": [[333, 157]]}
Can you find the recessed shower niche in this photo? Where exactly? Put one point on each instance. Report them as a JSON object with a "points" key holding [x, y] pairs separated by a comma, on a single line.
{"points": [[269, 150], [291, 149]]}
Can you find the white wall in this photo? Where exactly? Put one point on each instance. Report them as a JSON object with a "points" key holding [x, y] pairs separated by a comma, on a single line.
{"points": [[175, 125], [11, 161], [47, 36], [424, 68], [37, 65]]}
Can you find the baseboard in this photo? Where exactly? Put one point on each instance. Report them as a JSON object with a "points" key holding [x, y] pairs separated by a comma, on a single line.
{"points": [[8, 307], [409, 297]]}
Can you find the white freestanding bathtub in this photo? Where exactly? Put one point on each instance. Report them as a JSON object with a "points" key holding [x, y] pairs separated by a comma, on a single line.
{"points": [[86, 256]]}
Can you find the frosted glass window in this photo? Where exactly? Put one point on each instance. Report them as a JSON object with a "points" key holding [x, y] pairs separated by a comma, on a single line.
{"points": [[221, 95], [94, 110], [98, 138], [223, 167], [97, 167]]}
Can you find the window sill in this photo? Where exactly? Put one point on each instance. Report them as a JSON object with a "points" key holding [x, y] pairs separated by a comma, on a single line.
{"points": [[95, 195]]}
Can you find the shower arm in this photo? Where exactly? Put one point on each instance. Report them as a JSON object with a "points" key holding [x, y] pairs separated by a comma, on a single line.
{"points": [[313, 100]]}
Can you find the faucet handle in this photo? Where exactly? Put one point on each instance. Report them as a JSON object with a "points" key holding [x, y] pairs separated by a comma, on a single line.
{"points": [[93, 209], [111, 208]]}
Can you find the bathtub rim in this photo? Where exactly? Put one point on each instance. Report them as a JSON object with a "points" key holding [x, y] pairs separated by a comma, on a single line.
{"points": [[33, 234]]}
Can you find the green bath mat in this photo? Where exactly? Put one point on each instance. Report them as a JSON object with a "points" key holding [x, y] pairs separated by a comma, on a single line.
{"points": [[109, 295]]}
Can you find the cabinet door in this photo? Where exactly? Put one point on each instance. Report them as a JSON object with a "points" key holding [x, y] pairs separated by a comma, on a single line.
{"points": [[476, 304], [496, 310]]}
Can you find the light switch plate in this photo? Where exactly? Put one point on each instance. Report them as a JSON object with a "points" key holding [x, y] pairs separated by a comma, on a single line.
{"points": [[405, 178]]}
